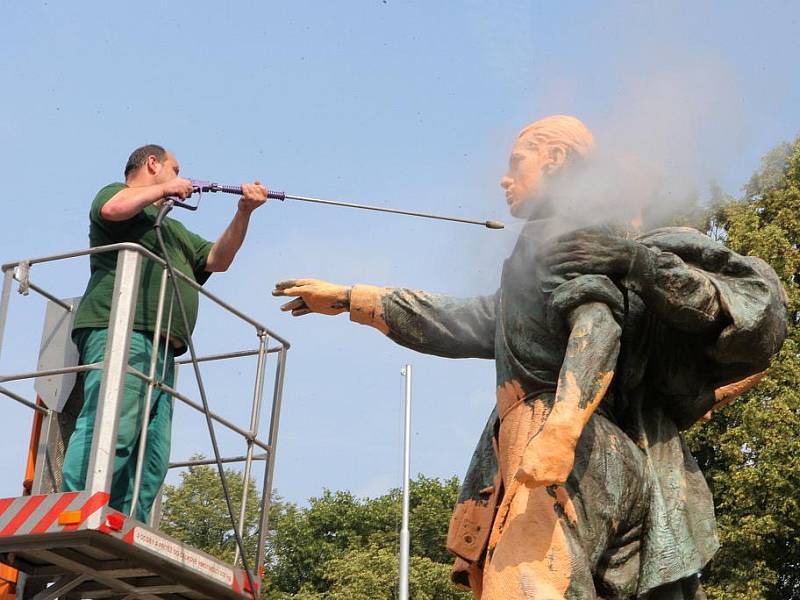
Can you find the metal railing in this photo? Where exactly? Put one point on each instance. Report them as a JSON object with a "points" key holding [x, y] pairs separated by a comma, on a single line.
{"points": [[115, 368]]}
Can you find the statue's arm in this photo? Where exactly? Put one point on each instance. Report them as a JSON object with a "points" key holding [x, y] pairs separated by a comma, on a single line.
{"points": [[680, 294], [429, 323], [586, 373]]}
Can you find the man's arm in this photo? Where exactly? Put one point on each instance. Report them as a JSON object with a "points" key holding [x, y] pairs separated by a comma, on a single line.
{"points": [[429, 323], [586, 373], [225, 248], [130, 201]]}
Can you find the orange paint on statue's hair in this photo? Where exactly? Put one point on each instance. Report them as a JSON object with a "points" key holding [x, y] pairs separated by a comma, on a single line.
{"points": [[542, 150], [563, 131]]}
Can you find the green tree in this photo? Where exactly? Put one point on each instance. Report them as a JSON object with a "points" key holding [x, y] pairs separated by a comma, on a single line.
{"points": [[749, 451], [194, 511], [374, 572], [340, 546]]}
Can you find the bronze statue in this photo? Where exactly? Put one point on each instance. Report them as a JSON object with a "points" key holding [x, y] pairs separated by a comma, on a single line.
{"points": [[607, 344]]}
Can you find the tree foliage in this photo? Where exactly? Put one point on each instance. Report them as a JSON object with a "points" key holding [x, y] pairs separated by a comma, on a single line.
{"points": [[195, 512], [338, 547], [749, 451]]}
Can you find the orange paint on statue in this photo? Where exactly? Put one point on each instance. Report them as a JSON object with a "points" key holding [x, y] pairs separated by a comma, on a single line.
{"points": [[538, 448], [541, 150], [549, 454], [727, 393], [468, 576], [313, 296], [519, 423], [366, 306], [471, 525], [508, 396], [565, 501], [531, 560]]}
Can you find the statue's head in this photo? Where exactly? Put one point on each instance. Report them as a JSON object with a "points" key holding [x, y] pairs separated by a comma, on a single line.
{"points": [[544, 151]]}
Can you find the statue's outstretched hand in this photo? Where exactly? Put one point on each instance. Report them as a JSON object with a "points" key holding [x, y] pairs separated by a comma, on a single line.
{"points": [[313, 296]]}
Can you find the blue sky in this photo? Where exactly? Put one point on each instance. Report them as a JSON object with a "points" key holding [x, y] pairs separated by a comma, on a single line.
{"points": [[402, 104]]}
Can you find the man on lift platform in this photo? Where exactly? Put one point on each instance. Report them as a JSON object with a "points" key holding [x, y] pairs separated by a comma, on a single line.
{"points": [[126, 212]]}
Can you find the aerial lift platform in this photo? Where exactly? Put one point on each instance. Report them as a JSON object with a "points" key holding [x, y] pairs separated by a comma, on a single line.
{"points": [[73, 544]]}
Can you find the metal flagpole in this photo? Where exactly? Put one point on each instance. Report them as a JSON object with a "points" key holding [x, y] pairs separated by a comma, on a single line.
{"points": [[404, 534]]}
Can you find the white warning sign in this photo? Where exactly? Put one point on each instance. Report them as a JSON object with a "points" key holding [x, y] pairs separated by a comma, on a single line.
{"points": [[178, 553]]}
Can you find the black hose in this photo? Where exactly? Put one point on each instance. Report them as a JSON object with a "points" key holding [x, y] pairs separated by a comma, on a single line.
{"points": [[166, 207]]}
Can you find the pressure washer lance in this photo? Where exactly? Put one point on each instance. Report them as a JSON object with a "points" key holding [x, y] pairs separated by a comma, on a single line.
{"points": [[207, 186]]}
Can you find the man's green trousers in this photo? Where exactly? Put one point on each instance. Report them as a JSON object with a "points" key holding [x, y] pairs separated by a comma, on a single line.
{"points": [[92, 346]]}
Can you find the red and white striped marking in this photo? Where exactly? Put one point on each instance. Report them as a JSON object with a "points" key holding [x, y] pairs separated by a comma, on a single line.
{"points": [[39, 514], [26, 515]]}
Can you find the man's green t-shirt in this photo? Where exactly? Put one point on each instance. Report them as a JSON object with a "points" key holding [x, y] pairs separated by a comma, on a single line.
{"points": [[187, 251]]}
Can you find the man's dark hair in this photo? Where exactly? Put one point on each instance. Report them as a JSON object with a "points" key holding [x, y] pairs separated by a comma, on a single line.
{"points": [[139, 156]]}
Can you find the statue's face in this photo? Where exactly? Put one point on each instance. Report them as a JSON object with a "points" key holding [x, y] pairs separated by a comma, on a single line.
{"points": [[528, 166]]}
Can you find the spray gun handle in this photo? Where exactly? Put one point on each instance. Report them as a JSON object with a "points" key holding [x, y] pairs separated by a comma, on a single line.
{"points": [[200, 186], [232, 189]]}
